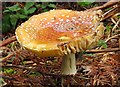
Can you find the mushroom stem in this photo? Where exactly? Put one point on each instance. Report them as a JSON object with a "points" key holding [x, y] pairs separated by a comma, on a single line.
{"points": [[68, 64]]}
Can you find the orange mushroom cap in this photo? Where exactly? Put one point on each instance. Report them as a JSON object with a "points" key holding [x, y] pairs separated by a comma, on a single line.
{"points": [[50, 33]]}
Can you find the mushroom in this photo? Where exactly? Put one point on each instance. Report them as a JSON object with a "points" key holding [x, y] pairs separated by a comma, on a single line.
{"points": [[61, 33]]}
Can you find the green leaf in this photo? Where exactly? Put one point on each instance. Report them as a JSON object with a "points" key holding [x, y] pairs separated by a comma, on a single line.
{"points": [[31, 10], [90, 54], [52, 5], [13, 20], [42, 6], [5, 23], [102, 43], [24, 11], [118, 16], [5, 11], [86, 2], [29, 4], [14, 8], [38, 5], [5, 28], [45, 10], [21, 16], [34, 73], [108, 28], [9, 71]]}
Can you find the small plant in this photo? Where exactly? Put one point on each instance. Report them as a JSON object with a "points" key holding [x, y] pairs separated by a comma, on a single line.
{"points": [[102, 43], [9, 71], [46, 6], [86, 2], [12, 14], [108, 29], [34, 74]]}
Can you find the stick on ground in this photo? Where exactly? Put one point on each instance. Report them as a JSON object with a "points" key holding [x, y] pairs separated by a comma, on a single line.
{"points": [[7, 41]]}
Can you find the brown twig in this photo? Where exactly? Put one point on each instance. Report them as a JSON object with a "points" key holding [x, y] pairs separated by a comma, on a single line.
{"points": [[113, 19], [7, 41], [106, 5], [3, 48], [119, 43], [116, 25], [6, 58], [9, 56], [6, 77], [103, 50], [111, 12], [118, 35]]}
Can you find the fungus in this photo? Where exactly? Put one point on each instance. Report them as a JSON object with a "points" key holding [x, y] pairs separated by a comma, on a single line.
{"points": [[61, 33]]}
